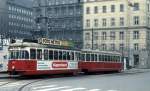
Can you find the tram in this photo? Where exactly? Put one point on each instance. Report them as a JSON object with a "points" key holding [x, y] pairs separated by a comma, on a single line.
{"points": [[48, 57]]}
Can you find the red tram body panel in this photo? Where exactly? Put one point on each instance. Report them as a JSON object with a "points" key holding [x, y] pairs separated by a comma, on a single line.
{"points": [[99, 66]]}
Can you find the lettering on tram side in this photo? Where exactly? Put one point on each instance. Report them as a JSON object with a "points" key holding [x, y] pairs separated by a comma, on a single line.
{"points": [[64, 65], [43, 65], [60, 65]]}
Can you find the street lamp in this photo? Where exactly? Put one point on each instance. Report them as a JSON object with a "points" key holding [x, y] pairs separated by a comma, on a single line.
{"points": [[129, 4]]}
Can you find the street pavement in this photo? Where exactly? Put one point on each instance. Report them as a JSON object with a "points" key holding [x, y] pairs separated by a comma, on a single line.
{"points": [[129, 80]]}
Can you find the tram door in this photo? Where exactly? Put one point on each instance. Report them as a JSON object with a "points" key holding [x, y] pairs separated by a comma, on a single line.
{"points": [[136, 60]]}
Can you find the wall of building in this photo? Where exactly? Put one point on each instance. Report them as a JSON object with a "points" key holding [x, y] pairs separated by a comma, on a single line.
{"points": [[16, 18], [135, 41], [64, 19]]}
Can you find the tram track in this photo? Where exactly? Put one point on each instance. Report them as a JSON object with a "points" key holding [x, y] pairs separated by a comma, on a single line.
{"points": [[27, 84], [7, 83]]}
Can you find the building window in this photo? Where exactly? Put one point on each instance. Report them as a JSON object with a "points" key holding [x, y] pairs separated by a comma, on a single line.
{"points": [[87, 23], [136, 35], [95, 46], [121, 21], [112, 8], [112, 35], [112, 46], [87, 46], [87, 10], [104, 47], [95, 35], [104, 36], [96, 22], [136, 7], [121, 8], [104, 9], [104, 22], [112, 21], [136, 20], [87, 36], [121, 47], [148, 7], [136, 46], [95, 9], [121, 35]]}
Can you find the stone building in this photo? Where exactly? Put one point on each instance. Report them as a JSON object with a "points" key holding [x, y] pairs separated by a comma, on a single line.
{"points": [[16, 18], [60, 19], [118, 25]]}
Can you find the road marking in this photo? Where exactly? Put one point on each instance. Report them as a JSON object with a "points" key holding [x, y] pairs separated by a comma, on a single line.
{"points": [[56, 88], [12, 84], [73, 89], [2, 83], [112, 90], [95, 90], [41, 87]]}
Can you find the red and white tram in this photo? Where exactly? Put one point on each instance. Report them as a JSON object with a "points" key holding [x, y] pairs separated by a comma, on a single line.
{"points": [[28, 58], [93, 61]]}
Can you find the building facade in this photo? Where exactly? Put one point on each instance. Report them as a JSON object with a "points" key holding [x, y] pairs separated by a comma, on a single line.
{"points": [[118, 25], [16, 18], [60, 19]]}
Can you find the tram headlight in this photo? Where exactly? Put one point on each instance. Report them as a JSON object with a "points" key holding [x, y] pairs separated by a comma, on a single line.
{"points": [[13, 67]]}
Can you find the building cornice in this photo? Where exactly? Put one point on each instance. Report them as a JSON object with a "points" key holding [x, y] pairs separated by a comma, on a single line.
{"points": [[118, 28]]}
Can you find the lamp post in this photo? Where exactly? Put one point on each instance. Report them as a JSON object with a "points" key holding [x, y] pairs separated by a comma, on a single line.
{"points": [[129, 4], [92, 39]]}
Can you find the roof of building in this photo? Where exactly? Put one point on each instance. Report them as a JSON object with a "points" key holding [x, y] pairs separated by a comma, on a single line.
{"points": [[25, 3]]}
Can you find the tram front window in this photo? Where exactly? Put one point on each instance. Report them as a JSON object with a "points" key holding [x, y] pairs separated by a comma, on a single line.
{"points": [[19, 54]]}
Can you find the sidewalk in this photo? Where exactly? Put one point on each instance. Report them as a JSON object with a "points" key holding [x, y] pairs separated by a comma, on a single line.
{"points": [[135, 70]]}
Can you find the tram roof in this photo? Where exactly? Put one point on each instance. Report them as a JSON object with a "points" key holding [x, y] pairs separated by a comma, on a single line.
{"points": [[37, 45], [103, 52]]}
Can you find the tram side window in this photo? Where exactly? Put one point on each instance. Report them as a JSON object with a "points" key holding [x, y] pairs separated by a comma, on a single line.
{"points": [[60, 55], [72, 55], [109, 59], [92, 57], [68, 56], [64, 55], [118, 59], [39, 53], [45, 54], [95, 56], [82, 57], [77, 56], [55, 55], [103, 57], [50, 54], [87, 57], [113, 58], [100, 57], [106, 58], [32, 54], [25, 55]]}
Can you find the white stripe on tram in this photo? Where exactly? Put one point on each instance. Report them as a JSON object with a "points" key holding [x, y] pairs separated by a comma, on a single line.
{"points": [[41, 87], [73, 89], [95, 90], [55, 89]]}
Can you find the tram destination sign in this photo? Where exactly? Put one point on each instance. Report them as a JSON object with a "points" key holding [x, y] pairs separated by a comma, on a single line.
{"points": [[49, 41], [46, 41]]}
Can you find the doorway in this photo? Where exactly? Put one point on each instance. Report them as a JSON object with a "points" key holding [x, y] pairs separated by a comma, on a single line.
{"points": [[136, 60]]}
